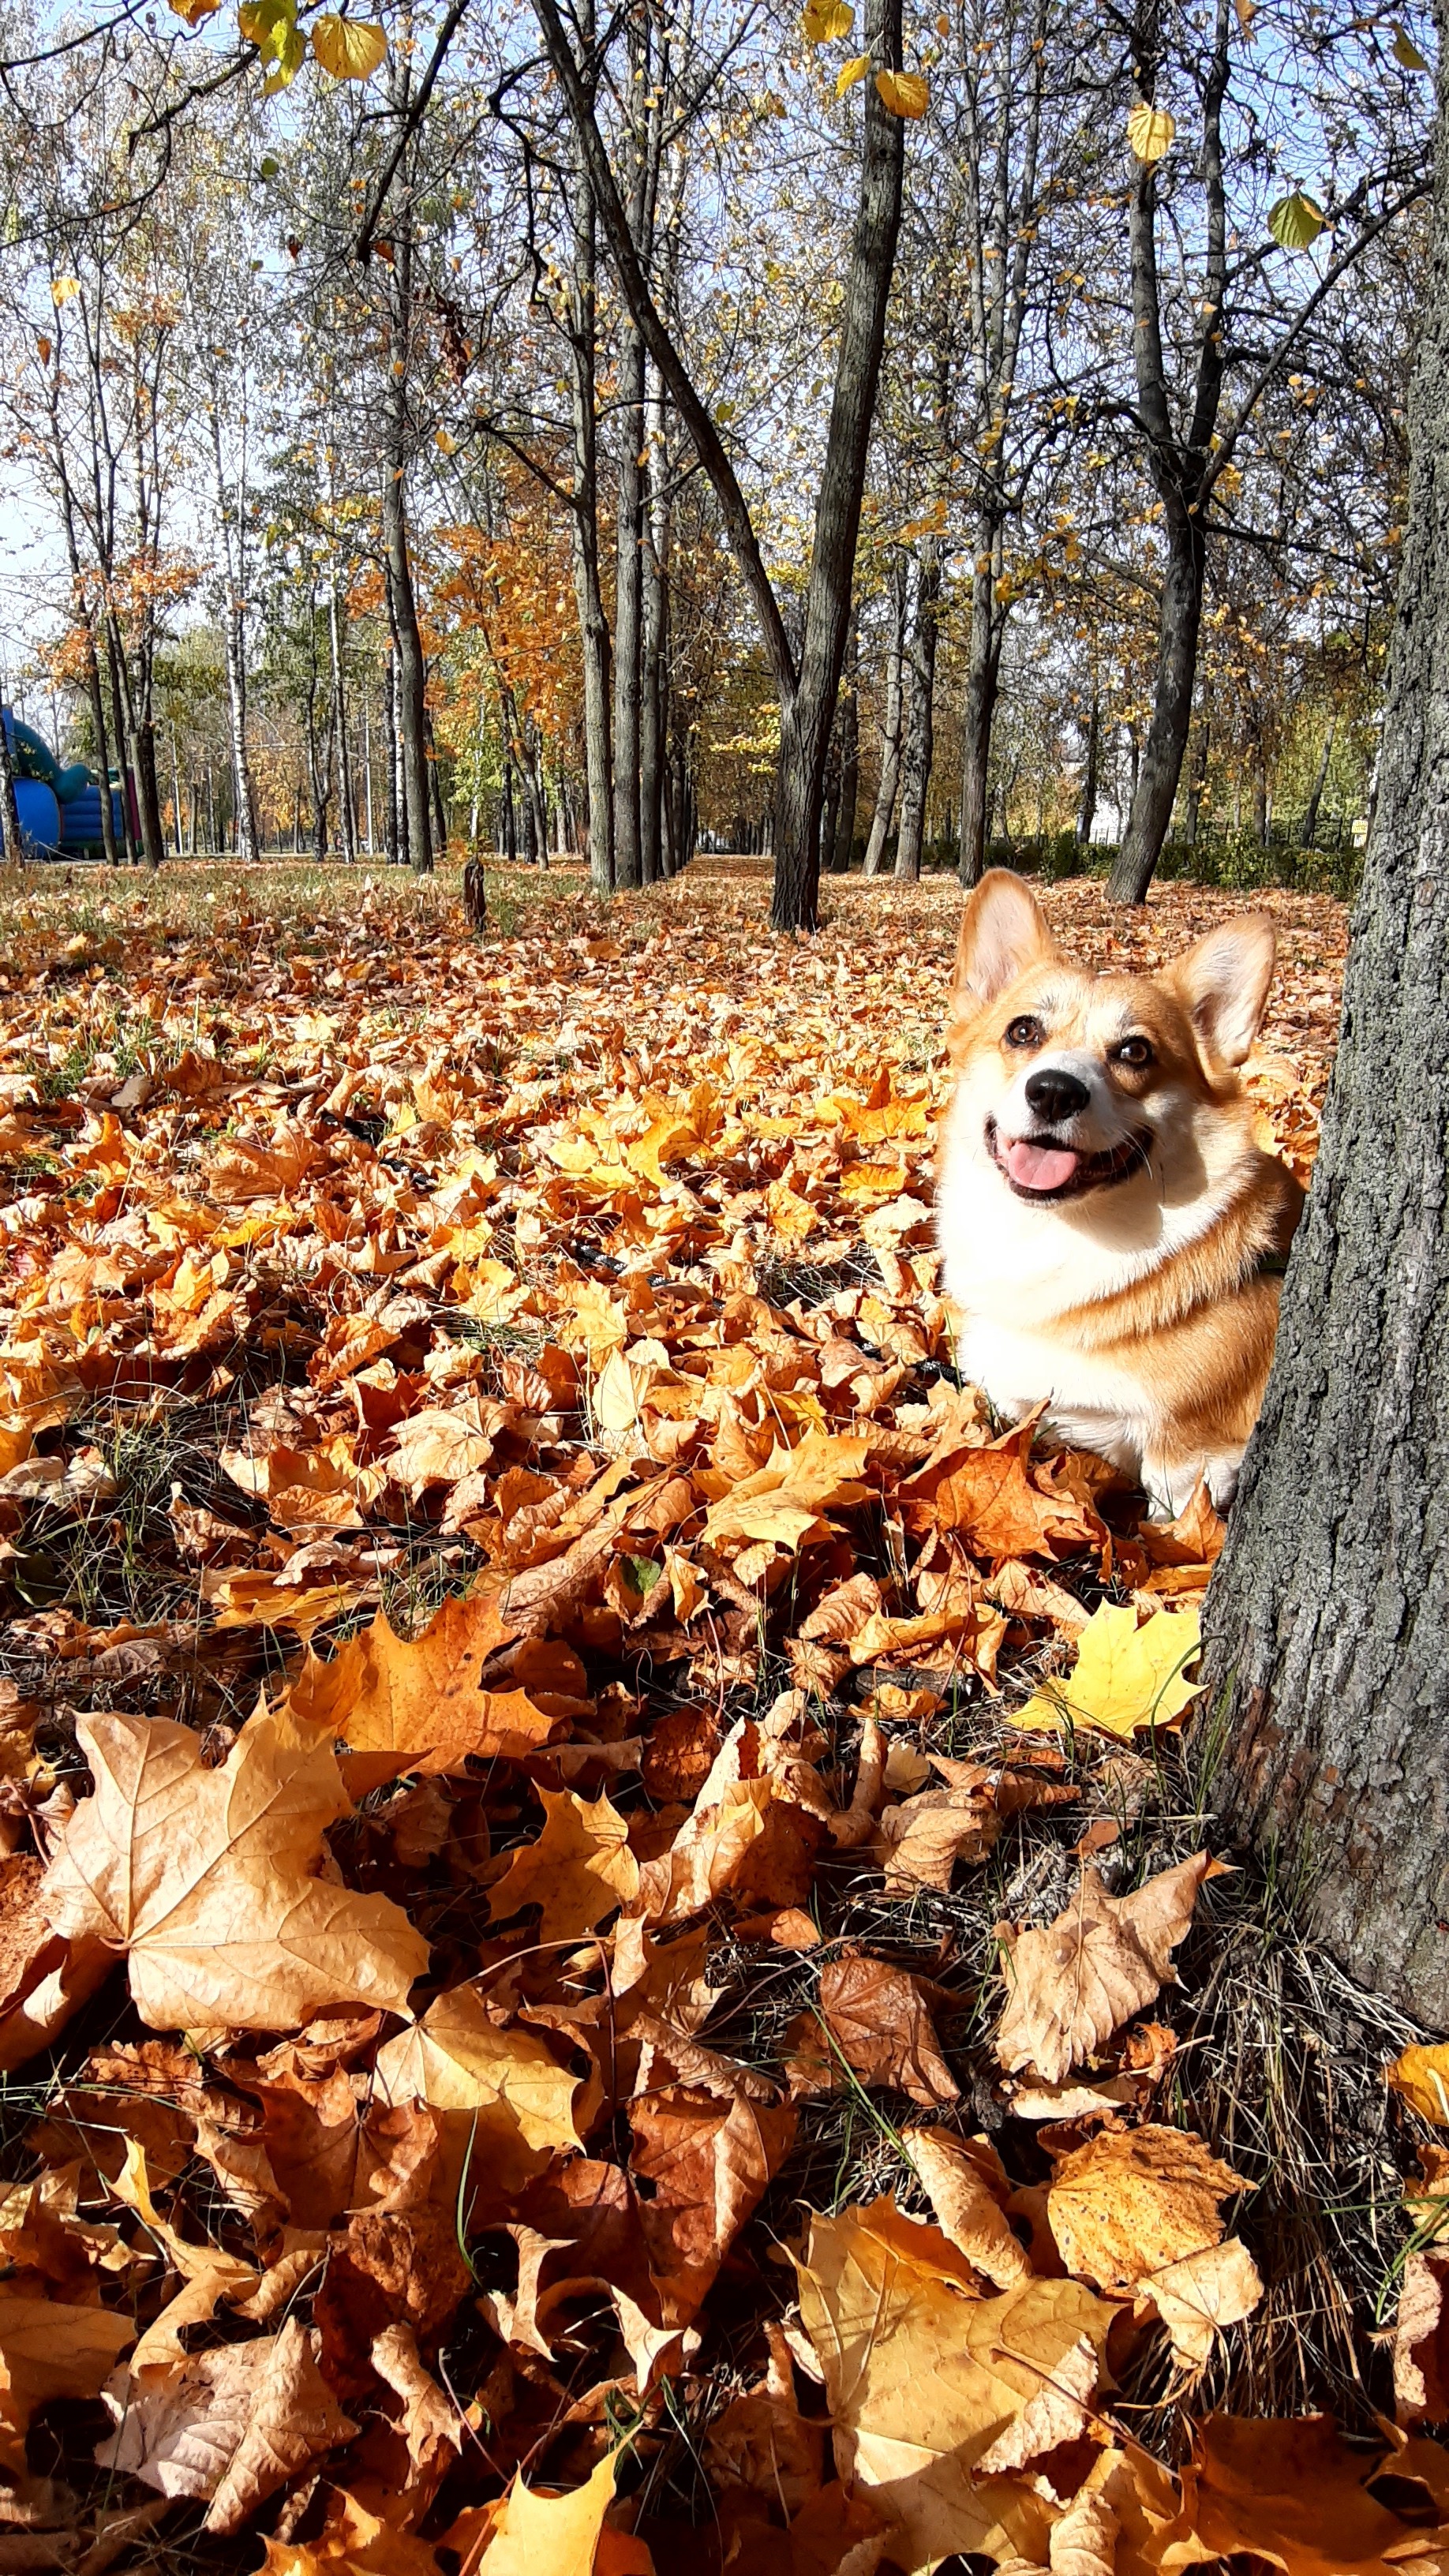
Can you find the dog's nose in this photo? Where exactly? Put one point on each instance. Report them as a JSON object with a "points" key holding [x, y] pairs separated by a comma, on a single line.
{"points": [[1055, 1095]]}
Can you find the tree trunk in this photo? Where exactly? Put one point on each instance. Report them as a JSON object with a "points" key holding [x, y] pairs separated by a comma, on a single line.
{"points": [[1087, 810], [654, 696], [14, 847], [806, 718], [1309, 831], [628, 614], [848, 720], [890, 756], [1197, 776], [983, 668], [1160, 768], [412, 734], [346, 817], [588, 589], [921, 726], [392, 822], [1328, 1612]]}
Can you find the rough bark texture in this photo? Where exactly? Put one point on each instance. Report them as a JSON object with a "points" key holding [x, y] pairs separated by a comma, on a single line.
{"points": [[890, 754], [921, 725], [982, 670], [588, 588], [1329, 1612]]}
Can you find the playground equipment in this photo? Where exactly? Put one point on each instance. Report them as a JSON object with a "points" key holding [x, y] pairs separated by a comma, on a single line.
{"points": [[59, 809]]}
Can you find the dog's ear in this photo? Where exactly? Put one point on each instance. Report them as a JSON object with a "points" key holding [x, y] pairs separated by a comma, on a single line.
{"points": [[1003, 931], [1222, 984]]}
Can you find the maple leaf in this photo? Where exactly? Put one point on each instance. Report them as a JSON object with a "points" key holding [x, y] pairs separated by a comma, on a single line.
{"points": [[546, 2535], [578, 1870], [1293, 2491], [783, 1501], [415, 1705], [229, 2427], [48, 2350], [1103, 1959], [1125, 1676], [500, 2092], [206, 1879], [879, 2019], [998, 1503], [922, 2377]]}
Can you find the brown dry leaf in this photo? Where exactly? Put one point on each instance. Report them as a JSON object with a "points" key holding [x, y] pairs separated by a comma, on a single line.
{"points": [[207, 1881], [431, 2426], [710, 2162], [1104, 1959], [44, 1976], [1132, 2201], [1204, 2293], [1293, 2492], [417, 1706], [999, 1504], [228, 2427], [923, 1838], [923, 2377], [763, 2442], [1059, 2412], [966, 2186], [495, 2088], [1421, 2342], [47, 2350], [578, 1870], [879, 2018]]}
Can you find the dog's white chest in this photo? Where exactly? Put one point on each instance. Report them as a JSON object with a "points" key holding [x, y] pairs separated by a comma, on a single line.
{"points": [[1092, 1402]]}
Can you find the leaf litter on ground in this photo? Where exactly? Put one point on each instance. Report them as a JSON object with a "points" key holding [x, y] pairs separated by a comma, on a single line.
{"points": [[614, 1947]]}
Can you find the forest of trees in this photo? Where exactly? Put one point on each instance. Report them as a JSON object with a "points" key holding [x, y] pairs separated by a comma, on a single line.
{"points": [[579, 434]]}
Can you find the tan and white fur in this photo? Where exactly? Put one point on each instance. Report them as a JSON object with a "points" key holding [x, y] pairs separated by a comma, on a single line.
{"points": [[1111, 1229]]}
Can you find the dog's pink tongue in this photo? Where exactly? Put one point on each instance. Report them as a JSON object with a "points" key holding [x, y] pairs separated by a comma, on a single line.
{"points": [[1040, 1167]]}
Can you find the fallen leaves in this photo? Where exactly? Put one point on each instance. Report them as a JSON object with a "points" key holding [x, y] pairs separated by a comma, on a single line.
{"points": [[572, 1314], [205, 1879], [1070, 1986]]}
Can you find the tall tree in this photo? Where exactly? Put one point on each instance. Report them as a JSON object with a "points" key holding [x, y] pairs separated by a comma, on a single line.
{"points": [[1327, 1615]]}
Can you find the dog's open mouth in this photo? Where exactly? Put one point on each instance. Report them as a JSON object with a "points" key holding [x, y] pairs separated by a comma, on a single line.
{"points": [[1039, 1167]]}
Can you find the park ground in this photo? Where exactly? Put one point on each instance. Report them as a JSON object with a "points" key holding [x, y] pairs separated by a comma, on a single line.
{"points": [[582, 1267]]}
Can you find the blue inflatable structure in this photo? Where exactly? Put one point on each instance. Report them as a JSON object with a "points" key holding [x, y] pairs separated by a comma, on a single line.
{"points": [[59, 809]]}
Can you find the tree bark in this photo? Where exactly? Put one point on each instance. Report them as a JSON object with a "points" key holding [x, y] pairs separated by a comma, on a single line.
{"points": [[233, 619], [629, 614], [1329, 1609], [849, 723], [1308, 833], [806, 720], [983, 667], [1160, 767], [588, 589], [921, 725], [13, 845], [890, 755], [1087, 810]]}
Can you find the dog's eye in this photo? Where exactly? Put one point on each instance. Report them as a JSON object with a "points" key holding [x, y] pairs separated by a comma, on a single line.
{"points": [[1134, 1052], [1024, 1032]]}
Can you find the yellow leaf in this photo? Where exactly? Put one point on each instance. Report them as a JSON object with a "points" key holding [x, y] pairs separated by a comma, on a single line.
{"points": [[578, 1870], [1422, 2076], [500, 2088], [1150, 131], [207, 1879], [193, 11], [1125, 1676], [824, 19], [541, 2535], [849, 73], [1246, 12], [923, 2378], [1405, 51], [903, 93], [446, 441], [1296, 221], [1131, 2201], [351, 49], [62, 289]]}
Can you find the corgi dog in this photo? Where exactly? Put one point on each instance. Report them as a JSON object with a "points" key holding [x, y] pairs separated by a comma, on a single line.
{"points": [[1110, 1228]]}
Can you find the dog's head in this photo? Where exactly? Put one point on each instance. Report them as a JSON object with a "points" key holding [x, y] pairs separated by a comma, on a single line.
{"points": [[1075, 1081]]}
